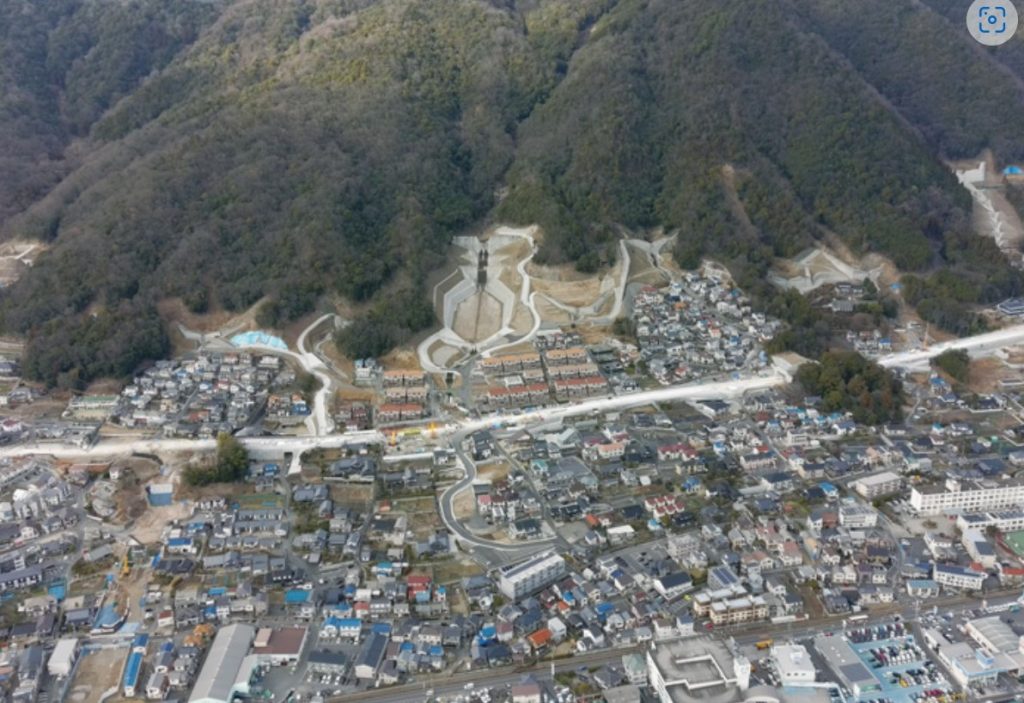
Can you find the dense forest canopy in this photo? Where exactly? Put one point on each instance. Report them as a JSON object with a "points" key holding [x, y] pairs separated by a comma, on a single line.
{"points": [[222, 151]]}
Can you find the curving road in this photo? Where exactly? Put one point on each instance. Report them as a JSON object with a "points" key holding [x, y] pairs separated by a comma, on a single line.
{"points": [[313, 364], [446, 504]]}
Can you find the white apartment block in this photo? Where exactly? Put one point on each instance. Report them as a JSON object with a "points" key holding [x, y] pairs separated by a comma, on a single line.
{"points": [[1002, 520], [879, 484], [857, 517], [958, 577], [966, 497], [516, 581]]}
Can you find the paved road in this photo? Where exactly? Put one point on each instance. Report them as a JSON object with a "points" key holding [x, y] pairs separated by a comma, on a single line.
{"points": [[978, 345], [507, 552]]}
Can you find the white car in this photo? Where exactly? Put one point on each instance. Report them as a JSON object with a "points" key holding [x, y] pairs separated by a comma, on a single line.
{"points": [[469, 686]]}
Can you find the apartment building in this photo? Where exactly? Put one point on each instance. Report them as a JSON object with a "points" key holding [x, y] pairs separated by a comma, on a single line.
{"points": [[880, 484], [516, 581], [960, 496]]}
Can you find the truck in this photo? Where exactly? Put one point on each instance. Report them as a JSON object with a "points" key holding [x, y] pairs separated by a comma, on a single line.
{"points": [[764, 644]]}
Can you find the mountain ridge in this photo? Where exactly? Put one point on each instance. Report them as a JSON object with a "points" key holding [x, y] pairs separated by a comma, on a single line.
{"points": [[333, 147]]}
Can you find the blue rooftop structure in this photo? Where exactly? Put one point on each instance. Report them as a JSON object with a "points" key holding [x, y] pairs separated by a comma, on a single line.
{"points": [[1013, 171], [131, 670], [295, 596], [344, 623], [382, 628], [58, 591], [258, 339], [106, 618]]}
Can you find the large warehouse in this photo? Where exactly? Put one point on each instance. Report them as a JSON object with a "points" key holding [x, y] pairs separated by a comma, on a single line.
{"points": [[223, 673]]}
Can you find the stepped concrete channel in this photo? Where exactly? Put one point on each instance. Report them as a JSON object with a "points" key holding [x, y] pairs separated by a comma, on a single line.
{"points": [[466, 297]]}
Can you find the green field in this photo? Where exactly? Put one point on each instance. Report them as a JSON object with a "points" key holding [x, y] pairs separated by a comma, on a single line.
{"points": [[1015, 541]]}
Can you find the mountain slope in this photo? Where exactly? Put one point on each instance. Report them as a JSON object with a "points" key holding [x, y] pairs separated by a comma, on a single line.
{"points": [[247, 148]]}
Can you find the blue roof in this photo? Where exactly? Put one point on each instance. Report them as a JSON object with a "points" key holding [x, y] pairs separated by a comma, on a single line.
{"points": [[344, 623], [296, 595], [141, 640], [382, 628], [488, 631], [604, 608], [179, 541], [58, 591], [107, 617], [437, 651], [1013, 171], [131, 671]]}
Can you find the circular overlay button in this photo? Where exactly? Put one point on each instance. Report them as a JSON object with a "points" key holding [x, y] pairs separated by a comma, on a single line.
{"points": [[992, 22]]}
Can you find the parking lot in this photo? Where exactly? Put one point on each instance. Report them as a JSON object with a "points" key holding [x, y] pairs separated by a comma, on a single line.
{"points": [[905, 672]]}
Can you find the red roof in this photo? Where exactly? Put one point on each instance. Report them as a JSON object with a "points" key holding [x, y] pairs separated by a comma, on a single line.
{"points": [[539, 638]]}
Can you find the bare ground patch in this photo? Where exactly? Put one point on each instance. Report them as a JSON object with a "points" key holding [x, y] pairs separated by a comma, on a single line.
{"points": [[98, 671], [464, 506]]}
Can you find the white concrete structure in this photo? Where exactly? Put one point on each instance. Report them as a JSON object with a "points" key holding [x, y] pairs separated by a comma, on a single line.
{"points": [[964, 496], [794, 664], [856, 516], [516, 581], [879, 484], [65, 654], [695, 668], [957, 577]]}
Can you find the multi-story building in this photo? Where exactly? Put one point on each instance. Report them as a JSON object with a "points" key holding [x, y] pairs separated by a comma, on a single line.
{"points": [[519, 580], [960, 496], [879, 484], [856, 516], [738, 610], [1002, 520], [958, 577]]}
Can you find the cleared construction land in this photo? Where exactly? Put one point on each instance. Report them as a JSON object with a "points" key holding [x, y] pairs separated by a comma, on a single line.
{"points": [[98, 671]]}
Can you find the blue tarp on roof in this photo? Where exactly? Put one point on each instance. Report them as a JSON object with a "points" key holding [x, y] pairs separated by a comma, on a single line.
{"points": [[131, 671], [1013, 171], [344, 623], [296, 596], [107, 617], [58, 591]]}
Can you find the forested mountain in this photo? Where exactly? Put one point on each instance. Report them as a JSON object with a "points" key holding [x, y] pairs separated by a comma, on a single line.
{"points": [[225, 150]]}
